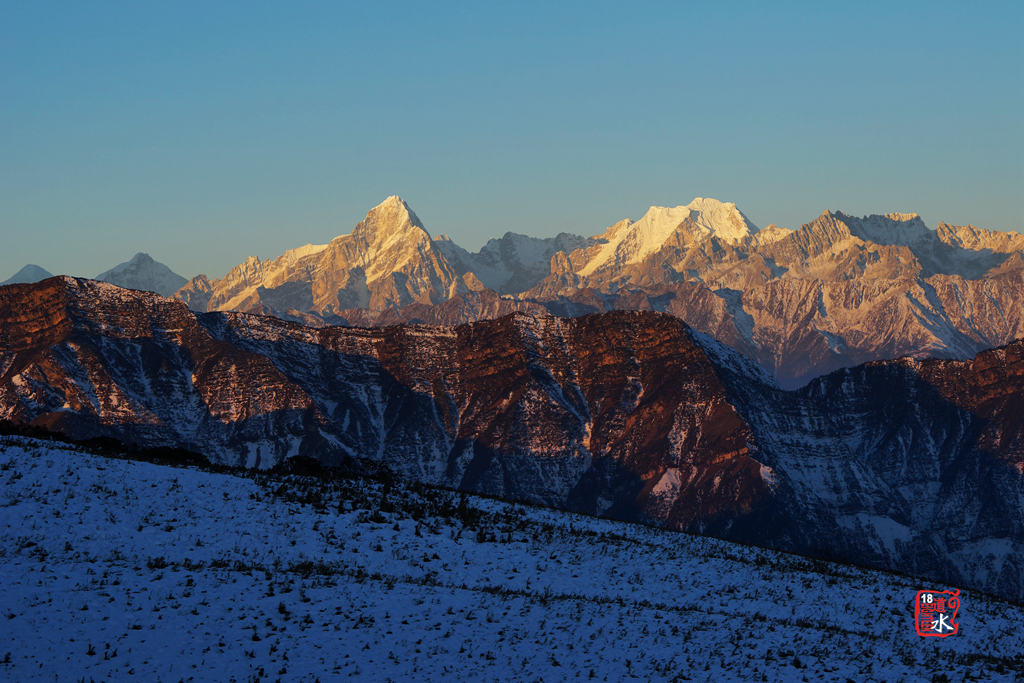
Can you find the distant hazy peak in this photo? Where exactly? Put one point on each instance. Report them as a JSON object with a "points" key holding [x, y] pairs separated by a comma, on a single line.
{"points": [[28, 274], [196, 293], [894, 218], [977, 239], [302, 252], [144, 273], [902, 217], [141, 258], [527, 243], [890, 228], [772, 233]]}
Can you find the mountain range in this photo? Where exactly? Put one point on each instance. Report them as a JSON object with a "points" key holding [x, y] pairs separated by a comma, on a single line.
{"points": [[837, 292], [909, 465]]}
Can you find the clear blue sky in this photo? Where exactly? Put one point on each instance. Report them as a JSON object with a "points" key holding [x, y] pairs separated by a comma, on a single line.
{"points": [[204, 132]]}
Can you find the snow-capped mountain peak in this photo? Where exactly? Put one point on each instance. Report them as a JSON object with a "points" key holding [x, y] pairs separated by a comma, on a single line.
{"points": [[629, 242], [388, 259], [722, 219], [772, 233], [391, 218]]}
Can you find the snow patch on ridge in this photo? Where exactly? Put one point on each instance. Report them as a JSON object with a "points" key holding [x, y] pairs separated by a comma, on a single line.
{"points": [[297, 253]]}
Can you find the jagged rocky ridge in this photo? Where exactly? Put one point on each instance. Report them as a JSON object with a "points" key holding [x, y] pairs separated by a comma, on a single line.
{"points": [[835, 293], [912, 465]]}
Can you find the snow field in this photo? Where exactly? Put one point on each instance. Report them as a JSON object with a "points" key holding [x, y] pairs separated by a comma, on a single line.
{"points": [[114, 568]]}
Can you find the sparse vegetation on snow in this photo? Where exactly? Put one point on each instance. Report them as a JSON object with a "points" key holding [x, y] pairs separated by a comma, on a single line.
{"points": [[113, 568]]}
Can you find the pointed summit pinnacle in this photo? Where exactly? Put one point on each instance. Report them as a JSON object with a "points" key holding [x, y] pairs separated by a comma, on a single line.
{"points": [[389, 217]]}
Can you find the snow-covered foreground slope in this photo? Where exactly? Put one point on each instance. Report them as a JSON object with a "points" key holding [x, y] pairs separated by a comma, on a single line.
{"points": [[112, 567]]}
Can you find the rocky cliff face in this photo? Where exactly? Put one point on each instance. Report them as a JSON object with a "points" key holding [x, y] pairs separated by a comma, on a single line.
{"points": [[909, 465], [922, 462]]}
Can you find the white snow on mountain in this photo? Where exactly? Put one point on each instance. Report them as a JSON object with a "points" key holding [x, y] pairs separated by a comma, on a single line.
{"points": [[293, 255], [629, 242], [113, 568], [142, 272], [772, 233], [388, 259], [391, 235]]}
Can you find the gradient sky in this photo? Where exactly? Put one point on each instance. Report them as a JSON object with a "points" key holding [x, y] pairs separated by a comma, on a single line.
{"points": [[205, 132]]}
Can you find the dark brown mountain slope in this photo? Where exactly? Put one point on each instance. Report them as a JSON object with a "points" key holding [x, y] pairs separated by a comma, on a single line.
{"points": [[910, 465]]}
